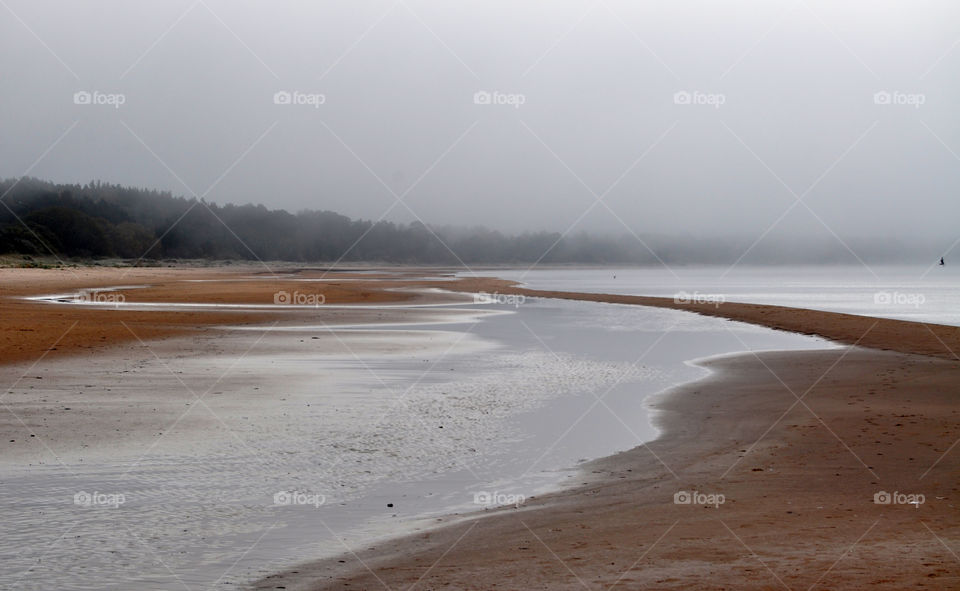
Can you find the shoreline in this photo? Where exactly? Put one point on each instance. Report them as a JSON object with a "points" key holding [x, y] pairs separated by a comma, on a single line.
{"points": [[798, 488], [786, 438], [797, 500]]}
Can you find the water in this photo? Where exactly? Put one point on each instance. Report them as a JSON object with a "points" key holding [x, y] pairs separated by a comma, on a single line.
{"points": [[421, 417], [918, 293]]}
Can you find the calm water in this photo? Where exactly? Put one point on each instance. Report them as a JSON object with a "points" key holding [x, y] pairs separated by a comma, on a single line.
{"points": [[918, 293]]}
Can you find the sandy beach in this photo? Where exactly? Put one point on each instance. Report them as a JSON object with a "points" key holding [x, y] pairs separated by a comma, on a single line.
{"points": [[780, 454]]}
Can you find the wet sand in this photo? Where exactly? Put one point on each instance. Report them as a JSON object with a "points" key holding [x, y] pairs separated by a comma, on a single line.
{"points": [[104, 398], [798, 476], [798, 443], [798, 510]]}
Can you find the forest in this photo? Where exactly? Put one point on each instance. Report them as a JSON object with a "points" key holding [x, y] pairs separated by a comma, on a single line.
{"points": [[101, 220]]}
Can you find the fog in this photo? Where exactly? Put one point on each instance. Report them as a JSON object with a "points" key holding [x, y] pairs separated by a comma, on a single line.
{"points": [[767, 121]]}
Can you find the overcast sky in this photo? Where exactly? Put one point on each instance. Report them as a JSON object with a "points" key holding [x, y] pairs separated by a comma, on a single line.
{"points": [[578, 102]]}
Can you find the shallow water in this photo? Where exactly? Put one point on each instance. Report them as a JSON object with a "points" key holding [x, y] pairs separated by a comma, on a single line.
{"points": [[423, 418]]}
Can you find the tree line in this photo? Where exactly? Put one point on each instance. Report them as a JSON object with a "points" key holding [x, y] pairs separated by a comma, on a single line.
{"points": [[102, 220]]}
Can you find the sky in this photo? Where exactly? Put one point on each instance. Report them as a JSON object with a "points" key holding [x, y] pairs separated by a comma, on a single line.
{"points": [[759, 119]]}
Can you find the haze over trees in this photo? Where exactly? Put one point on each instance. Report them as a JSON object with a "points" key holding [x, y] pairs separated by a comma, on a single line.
{"points": [[101, 220]]}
